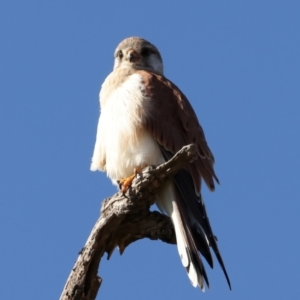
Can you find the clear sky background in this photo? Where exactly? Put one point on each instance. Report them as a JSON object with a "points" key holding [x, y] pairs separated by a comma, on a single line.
{"points": [[238, 63]]}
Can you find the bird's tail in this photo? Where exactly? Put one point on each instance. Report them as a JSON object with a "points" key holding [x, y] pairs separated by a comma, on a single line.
{"points": [[167, 202]]}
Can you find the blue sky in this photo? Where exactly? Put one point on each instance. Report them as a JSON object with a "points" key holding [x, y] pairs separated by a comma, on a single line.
{"points": [[238, 63]]}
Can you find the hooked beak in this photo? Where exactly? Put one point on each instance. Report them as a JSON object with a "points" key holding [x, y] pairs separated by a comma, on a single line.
{"points": [[132, 55]]}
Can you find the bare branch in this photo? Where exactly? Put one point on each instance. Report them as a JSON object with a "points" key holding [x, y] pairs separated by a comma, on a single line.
{"points": [[125, 219]]}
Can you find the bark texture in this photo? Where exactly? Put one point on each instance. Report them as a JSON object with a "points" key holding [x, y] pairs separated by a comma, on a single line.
{"points": [[124, 219]]}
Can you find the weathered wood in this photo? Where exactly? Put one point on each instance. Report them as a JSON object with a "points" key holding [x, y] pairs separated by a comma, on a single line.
{"points": [[124, 219]]}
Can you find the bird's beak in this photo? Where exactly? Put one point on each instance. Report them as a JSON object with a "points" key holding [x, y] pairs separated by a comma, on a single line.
{"points": [[132, 55]]}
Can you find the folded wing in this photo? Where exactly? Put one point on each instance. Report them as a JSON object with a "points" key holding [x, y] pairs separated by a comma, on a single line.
{"points": [[172, 122]]}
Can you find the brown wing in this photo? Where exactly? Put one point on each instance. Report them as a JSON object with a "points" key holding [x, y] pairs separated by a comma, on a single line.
{"points": [[173, 123], [171, 120]]}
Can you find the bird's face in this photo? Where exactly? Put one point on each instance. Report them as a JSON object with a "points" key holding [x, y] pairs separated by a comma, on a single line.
{"points": [[139, 54]]}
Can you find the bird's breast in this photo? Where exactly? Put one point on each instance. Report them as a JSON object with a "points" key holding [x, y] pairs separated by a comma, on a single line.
{"points": [[127, 145]]}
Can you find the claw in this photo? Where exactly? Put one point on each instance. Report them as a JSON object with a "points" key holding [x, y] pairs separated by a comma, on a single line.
{"points": [[125, 183]]}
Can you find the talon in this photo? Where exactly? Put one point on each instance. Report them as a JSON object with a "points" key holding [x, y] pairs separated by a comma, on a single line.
{"points": [[125, 183]]}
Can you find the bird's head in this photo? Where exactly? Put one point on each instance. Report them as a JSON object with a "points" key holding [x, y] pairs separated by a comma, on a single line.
{"points": [[139, 54]]}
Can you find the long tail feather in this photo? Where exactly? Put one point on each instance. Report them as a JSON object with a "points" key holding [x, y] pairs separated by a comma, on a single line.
{"points": [[196, 226], [168, 199]]}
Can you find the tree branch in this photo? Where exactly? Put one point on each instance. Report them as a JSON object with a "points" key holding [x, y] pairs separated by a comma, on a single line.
{"points": [[125, 219]]}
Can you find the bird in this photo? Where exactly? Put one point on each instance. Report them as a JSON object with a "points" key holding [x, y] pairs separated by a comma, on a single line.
{"points": [[144, 120]]}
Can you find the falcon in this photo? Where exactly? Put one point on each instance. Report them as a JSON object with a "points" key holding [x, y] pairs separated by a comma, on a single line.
{"points": [[145, 119]]}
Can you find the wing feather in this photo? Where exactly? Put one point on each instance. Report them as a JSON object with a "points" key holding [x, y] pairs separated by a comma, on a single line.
{"points": [[172, 122]]}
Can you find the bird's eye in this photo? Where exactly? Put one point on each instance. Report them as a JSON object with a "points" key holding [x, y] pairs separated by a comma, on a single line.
{"points": [[120, 54], [145, 52]]}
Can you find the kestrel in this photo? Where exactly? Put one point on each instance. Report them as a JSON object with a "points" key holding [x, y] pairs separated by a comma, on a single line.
{"points": [[145, 119]]}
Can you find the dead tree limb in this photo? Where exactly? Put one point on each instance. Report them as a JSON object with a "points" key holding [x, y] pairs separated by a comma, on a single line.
{"points": [[123, 220]]}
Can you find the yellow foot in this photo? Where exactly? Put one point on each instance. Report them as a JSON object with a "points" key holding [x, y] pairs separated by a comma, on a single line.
{"points": [[125, 183]]}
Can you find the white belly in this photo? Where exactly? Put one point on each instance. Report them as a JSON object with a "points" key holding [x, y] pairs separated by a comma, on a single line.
{"points": [[122, 144]]}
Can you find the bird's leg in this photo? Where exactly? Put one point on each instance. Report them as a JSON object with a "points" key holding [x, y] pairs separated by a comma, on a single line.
{"points": [[125, 183]]}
